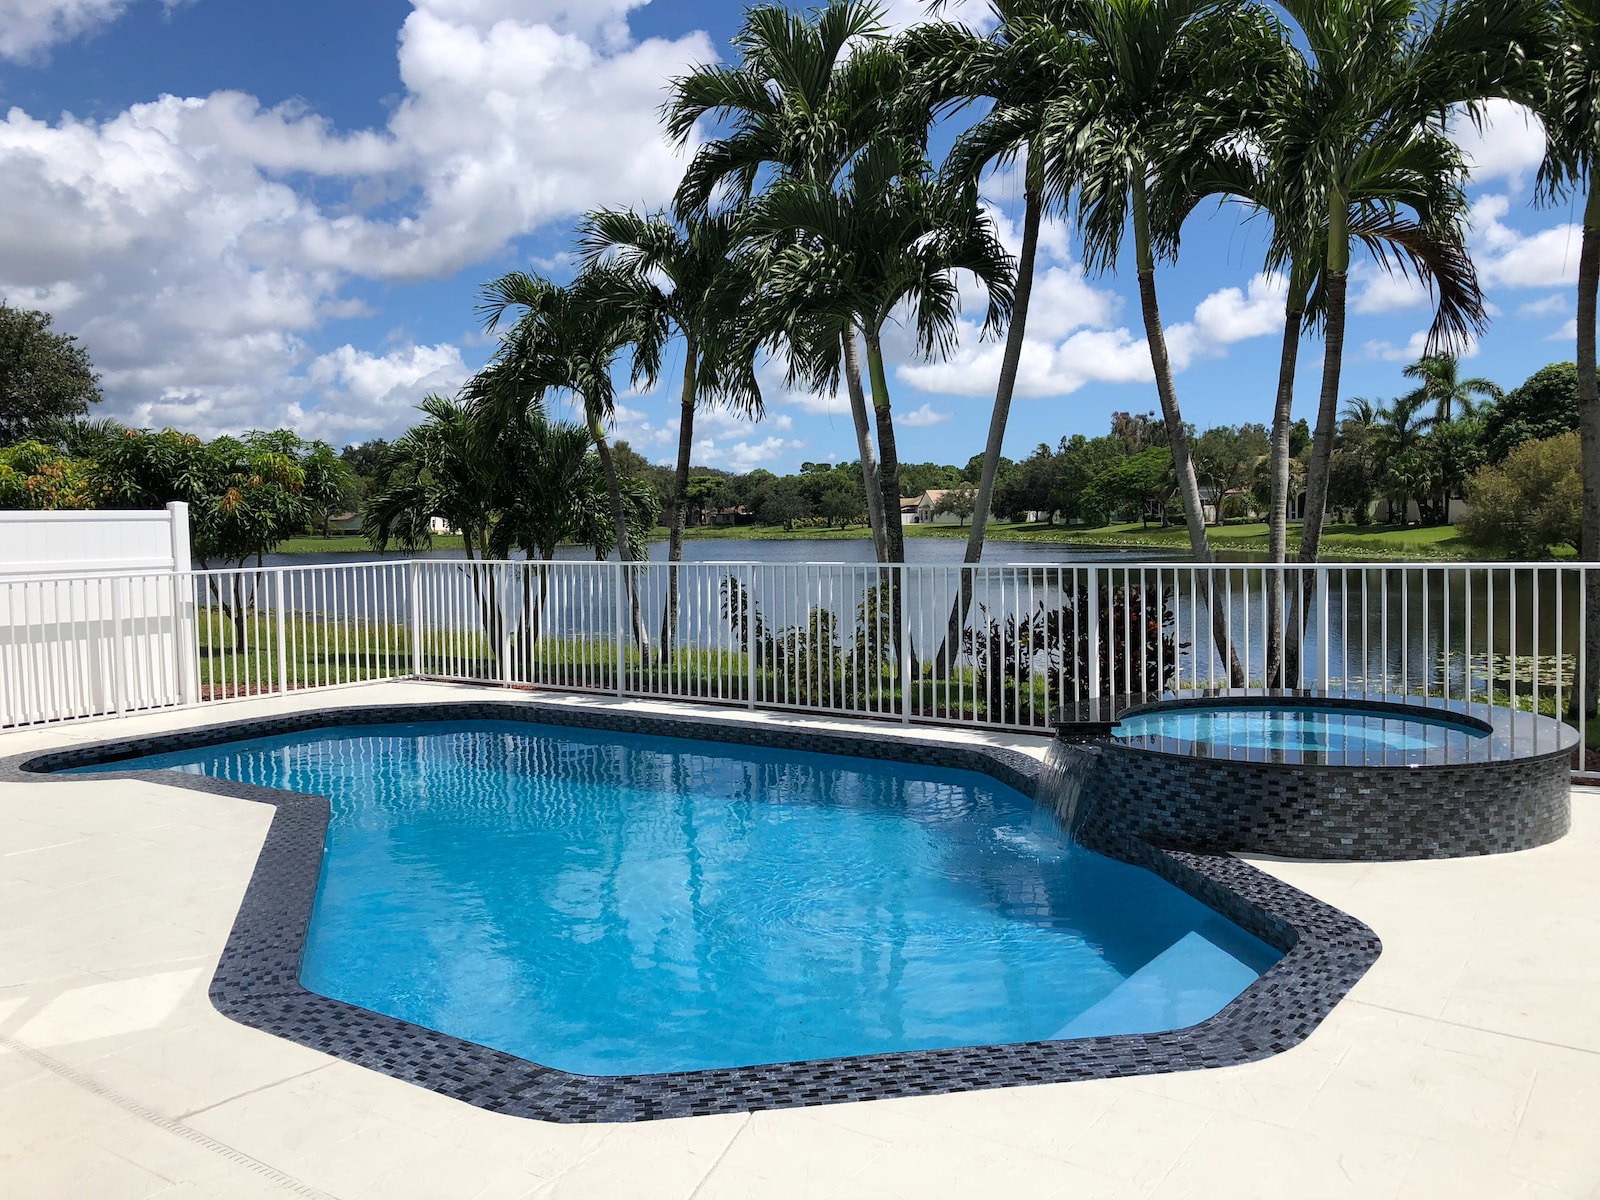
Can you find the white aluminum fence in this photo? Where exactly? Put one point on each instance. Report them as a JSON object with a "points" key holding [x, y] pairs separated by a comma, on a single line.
{"points": [[1013, 646]]}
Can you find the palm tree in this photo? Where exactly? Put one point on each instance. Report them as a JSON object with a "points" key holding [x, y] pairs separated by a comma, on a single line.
{"points": [[1266, 171], [892, 236], [1379, 81], [1569, 105], [564, 339], [1440, 381], [435, 469], [1150, 80], [809, 90], [1400, 430], [1023, 65], [683, 280]]}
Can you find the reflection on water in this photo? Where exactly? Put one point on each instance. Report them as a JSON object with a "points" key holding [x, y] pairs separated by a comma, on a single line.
{"points": [[611, 904], [923, 550]]}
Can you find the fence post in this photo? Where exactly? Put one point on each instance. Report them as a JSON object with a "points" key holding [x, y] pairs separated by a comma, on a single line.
{"points": [[283, 631], [1324, 634], [119, 660], [186, 635], [1094, 633], [503, 607], [748, 609], [414, 606], [903, 607], [622, 626]]}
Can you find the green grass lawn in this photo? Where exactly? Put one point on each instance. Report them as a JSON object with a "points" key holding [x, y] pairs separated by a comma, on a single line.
{"points": [[1340, 542], [350, 544]]}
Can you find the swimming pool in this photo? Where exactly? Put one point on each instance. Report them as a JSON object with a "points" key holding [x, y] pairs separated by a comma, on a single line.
{"points": [[1335, 731], [612, 903]]}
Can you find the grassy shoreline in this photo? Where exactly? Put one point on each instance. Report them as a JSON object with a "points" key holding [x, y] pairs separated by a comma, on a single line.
{"points": [[1373, 543]]}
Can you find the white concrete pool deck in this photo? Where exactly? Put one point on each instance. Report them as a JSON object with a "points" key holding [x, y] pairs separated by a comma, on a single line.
{"points": [[1465, 1064]]}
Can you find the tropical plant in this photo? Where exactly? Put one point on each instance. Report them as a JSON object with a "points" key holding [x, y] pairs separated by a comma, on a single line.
{"points": [[521, 484], [41, 477], [563, 338], [1400, 431], [809, 90], [1569, 105], [892, 237], [1138, 658], [1149, 82], [1439, 380], [435, 470], [682, 280], [566, 339], [1366, 126], [1025, 63]]}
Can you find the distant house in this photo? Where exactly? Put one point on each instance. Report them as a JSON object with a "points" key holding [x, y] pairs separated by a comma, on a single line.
{"points": [[926, 506], [908, 510], [346, 522], [739, 515]]}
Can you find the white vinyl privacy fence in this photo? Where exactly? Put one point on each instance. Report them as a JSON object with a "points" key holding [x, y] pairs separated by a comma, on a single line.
{"points": [[1015, 647]]}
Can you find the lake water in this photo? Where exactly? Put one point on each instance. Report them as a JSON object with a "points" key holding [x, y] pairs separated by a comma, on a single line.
{"points": [[933, 551], [1387, 627]]}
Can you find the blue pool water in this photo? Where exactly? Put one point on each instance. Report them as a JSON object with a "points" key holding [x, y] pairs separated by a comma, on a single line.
{"points": [[1293, 728], [613, 904]]}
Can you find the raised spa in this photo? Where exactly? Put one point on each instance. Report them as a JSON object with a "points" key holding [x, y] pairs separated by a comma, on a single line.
{"points": [[1324, 777], [610, 903]]}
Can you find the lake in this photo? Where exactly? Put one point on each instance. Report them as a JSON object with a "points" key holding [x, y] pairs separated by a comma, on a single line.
{"points": [[921, 550]]}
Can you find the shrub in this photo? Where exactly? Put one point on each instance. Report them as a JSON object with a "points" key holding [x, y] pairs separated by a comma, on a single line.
{"points": [[1531, 502]]}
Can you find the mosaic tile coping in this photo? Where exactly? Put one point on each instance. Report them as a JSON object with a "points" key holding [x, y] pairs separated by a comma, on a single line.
{"points": [[257, 980]]}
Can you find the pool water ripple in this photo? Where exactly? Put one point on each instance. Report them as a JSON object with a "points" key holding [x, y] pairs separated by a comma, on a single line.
{"points": [[610, 903]]}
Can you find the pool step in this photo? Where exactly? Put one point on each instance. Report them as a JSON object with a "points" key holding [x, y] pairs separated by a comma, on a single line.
{"points": [[1190, 980]]}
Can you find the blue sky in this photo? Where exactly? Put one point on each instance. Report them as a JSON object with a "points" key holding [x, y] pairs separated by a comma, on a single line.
{"points": [[279, 214]]}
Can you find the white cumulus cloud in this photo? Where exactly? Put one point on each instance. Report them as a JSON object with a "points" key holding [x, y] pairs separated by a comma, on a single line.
{"points": [[196, 244], [1060, 355], [743, 456], [1508, 145], [924, 417], [1506, 257], [29, 27], [362, 395]]}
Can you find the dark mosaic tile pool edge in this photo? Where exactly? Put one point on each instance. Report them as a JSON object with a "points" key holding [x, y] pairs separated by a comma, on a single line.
{"points": [[257, 979]]}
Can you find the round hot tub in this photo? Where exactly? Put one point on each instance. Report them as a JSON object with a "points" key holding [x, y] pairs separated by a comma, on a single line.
{"points": [[1332, 777]]}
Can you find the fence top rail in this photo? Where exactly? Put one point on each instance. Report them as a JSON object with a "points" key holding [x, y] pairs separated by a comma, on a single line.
{"points": [[589, 565]]}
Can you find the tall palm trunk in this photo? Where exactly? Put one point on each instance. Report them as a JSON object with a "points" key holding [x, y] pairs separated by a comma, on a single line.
{"points": [[1032, 218], [1155, 335], [1332, 362], [1182, 462], [1294, 312], [888, 454], [619, 518], [680, 489], [877, 520], [889, 482], [1589, 436]]}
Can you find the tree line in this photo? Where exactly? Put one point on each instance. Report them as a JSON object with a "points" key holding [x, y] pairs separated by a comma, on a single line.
{"points": [[814, 215]]}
